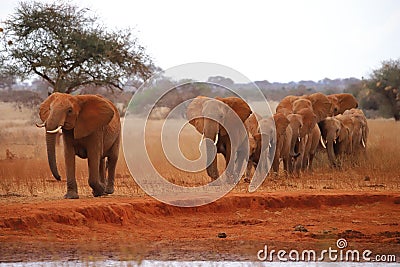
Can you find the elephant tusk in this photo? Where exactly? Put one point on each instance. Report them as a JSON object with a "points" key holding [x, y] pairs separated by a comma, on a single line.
{"points": [[56, 130], [269, 144], [40, 125], [322, 142], [216, 139], [298, 138], [334, 141], [363, 143], [201, 141]]}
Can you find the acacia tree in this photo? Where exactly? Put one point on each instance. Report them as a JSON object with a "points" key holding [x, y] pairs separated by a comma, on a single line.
{"points": [[386, 81], [68, 48]]}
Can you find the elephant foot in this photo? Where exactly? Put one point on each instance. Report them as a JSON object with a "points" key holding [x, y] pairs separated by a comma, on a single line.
{"points": [[275, 175], [98, 189], [71, 195], [109, 190], [98, 193], [213, 174]]}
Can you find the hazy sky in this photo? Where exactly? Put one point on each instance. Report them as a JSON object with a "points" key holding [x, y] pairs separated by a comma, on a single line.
{"points": [[265, 40]]}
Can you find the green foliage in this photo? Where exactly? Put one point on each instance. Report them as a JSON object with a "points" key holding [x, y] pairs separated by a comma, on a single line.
{"points": [[65, 46], [386, 82], [374, 104]]}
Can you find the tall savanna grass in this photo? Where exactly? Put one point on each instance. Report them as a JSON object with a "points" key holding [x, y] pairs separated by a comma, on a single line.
{"points": [[27, 175]]}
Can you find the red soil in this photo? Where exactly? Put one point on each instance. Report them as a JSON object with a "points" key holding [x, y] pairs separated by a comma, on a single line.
{"points": [[143, 228]]}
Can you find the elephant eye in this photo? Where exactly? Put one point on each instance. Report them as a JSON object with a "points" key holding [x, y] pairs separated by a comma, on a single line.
{"points": [[70, 110]]}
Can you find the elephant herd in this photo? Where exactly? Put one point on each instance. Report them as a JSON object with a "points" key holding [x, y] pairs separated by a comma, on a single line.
{"points": [[300, 126], [331, 120], [92, 130]]}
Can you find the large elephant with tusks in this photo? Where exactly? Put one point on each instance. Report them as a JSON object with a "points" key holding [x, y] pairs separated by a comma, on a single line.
{"points": [[91, 130], [208, 115]]}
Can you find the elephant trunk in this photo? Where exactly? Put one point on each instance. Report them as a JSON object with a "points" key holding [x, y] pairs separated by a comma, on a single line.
{"points": [[266, 153], [211, 131], [51, 154], [331, 152], [293, 145], [212, 168]]}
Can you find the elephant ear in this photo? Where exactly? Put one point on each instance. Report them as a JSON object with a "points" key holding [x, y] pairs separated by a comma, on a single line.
{"points": [[309, 120], [281, 123], [335, 105], [345, 102], [251, 123], [194, 113], [240, 106], [95, 112], [44, 109], [321, 105]]}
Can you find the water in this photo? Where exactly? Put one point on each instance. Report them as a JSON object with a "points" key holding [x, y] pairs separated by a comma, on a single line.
{"points": [[150, 263]]}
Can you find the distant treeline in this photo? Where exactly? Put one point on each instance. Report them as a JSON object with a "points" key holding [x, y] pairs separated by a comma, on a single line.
{"points": [[373, 104]]}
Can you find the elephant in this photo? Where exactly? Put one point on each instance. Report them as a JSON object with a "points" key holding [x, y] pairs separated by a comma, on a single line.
{"points": [[360, 130], [342, 102], [91, 130], [311, 109], [348, 122], [303, 124], [269, 136], [203, 113], [337, 137], [252, 128], [311, 148], [283, 143]]}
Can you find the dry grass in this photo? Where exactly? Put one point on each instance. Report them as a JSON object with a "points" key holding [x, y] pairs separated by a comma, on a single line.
{"points": [[28, 178]]}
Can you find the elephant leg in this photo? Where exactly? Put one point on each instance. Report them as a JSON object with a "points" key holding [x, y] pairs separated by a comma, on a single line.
{"points": [[297, 167], [305, 163], [94, 175], [275, 163], [102, 171], [310, 161], [212, 169], [112, 164], [240, 159], [286, 162], [230, 166], [302, 159], [298, 164], [250, 164], [69, 157], [292, 162]]}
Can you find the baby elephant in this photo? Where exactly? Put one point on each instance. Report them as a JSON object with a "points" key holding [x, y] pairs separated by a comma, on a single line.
{"points": [[91, 130]]}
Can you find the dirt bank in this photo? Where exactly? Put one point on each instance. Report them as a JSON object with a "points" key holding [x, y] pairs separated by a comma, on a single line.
{"points": [[138, 228]]}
